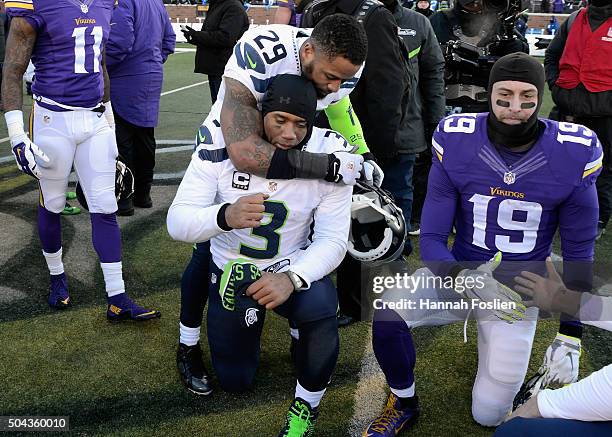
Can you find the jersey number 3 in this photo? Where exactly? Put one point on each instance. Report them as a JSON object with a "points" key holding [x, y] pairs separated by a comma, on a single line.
{"points": [[269, 232], [80, 46]]}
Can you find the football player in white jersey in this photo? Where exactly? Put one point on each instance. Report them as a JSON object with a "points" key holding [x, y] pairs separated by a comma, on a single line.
{"points": [[331, 56], [298, 227]]}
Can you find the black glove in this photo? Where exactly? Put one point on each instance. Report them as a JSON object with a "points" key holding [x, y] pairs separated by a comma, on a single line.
{"points": [[189, 33]]}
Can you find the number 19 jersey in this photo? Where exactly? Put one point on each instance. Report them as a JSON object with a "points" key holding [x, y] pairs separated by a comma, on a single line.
{"points": [[68, 49], [512, 205]]}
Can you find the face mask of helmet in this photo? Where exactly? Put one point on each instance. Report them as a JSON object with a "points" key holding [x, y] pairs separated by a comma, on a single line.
{"points": [[378, 229], [124, 184]]}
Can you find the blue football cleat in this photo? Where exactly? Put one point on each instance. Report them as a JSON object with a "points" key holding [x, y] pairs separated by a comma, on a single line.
{"points": [[58, 292], [393, 419], [121, 307]]}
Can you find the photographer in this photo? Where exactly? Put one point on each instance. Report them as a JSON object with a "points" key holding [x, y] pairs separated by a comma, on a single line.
{"points": [[473, 35]]}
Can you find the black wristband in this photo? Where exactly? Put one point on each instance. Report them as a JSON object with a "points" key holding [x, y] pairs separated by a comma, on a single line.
{"points": [[309, 165], [221, 222], [368, 156], [280, 167]]}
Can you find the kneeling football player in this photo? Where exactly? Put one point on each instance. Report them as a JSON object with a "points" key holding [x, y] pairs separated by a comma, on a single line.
{"points": [[273, 243], [507, 181]]}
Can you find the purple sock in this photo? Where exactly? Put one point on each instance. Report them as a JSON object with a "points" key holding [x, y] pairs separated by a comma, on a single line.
{"points": [[49, 230], [106, 237], [394, 348]]}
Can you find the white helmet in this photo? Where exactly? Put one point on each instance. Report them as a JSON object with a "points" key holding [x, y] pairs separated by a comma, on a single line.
{"points": [[378, 229]]}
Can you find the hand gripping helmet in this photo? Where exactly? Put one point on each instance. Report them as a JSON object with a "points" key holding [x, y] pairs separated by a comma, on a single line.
{"points": [[124, 184], [378, 229]]}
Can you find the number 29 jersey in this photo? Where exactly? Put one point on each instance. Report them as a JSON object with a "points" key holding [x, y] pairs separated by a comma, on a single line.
{"points": [[68, 50], [515, 207], [264, 52]]}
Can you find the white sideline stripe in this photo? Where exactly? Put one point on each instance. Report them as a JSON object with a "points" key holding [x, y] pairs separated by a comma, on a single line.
{"points": [[184, 146], [173, 149], [369, 397], [4, 140], [183, 88], [174, 142]]}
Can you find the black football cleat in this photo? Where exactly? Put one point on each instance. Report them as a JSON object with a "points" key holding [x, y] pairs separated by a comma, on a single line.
{"points": [[191, 368]]}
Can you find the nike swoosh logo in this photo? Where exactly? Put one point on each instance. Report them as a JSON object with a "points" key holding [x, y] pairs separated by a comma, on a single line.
{"points": [[251, 63], [200, 137]]}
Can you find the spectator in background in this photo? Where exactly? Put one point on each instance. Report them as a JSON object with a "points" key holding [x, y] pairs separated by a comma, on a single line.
{"points": [[425, 108], [225, 23], [578, 65], [285, 14], [552, 26], [558, 6], [140, 41], [521, 24], [423, 7]]}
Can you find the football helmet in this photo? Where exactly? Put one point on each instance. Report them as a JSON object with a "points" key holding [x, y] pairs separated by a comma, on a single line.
{"points": [[124, 184], [378, 229]]}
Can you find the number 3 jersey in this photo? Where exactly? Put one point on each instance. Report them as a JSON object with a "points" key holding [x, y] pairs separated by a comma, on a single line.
{"points": [[296, 210], [68, 51], [509, 202]]}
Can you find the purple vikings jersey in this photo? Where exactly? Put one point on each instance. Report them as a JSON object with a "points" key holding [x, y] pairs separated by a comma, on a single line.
{"points": [[68, 52], [513, 204]]}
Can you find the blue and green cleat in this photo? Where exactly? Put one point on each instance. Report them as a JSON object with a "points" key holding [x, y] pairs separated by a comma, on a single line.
{"points": [[301, 419]]}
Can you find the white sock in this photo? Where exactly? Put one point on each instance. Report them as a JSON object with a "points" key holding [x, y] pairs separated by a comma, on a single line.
{"points": [[54, 262], [113, 278], [189, 336], [403, 393], [312, 397], [295, 333]]}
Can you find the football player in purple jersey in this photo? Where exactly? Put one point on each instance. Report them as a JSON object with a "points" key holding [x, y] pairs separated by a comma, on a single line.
{"points": [[508, 182], [71, 123]]}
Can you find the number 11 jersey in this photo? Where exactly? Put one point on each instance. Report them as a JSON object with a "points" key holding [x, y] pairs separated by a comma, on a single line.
{"points": [[71, 35]]}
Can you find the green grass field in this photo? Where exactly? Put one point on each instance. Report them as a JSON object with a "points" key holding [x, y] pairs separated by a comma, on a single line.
{"points": [[121, 380]]}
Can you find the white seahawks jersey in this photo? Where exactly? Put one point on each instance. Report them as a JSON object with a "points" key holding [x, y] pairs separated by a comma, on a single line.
{"points": [[295, 209], [265, 52]]}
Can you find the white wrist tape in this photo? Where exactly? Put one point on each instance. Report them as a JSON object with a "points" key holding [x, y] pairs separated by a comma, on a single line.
{"points": [[14, 123]]}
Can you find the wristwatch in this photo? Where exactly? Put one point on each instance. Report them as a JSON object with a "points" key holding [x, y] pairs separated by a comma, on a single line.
{"points": [[298, 283]]}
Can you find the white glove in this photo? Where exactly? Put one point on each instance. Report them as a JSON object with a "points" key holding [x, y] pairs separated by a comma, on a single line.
{"points": [[372, 173], [25, 151], [479, 284], [344, 167], [561, 361], [108, 113]]}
